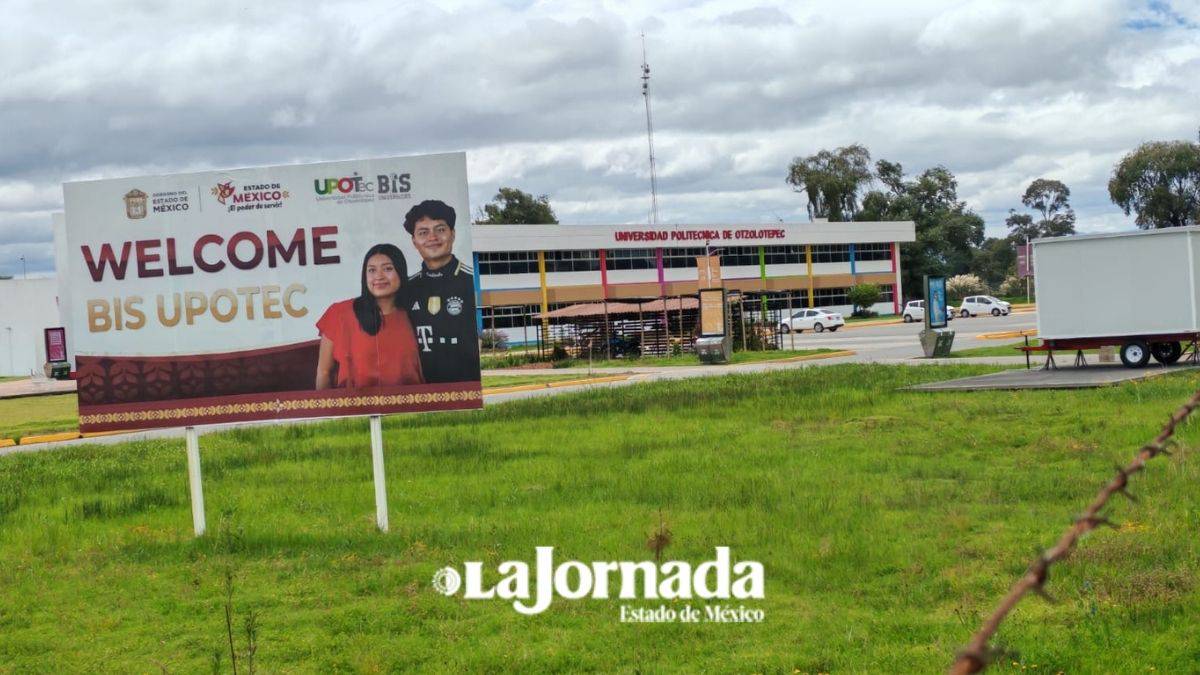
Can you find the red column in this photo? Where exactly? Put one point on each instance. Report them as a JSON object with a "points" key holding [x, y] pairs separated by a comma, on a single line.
{"points": [[895, 278], [603, 274]]}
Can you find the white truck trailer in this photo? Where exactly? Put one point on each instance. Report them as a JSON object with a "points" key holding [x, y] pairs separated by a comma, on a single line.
{"points": [[1134, 290]]}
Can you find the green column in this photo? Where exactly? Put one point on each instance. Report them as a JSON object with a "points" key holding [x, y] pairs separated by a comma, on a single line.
{"points": [[762, 270]]}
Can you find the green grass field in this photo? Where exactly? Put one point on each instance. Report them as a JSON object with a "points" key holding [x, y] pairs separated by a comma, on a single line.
{"points": [[501, 361], [1010, 349], [886, 531], [693, 360], [49, 414], [38, 415]]}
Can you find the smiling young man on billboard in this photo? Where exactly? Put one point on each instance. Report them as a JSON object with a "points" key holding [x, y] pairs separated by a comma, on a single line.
{"points": [[442, 297]]}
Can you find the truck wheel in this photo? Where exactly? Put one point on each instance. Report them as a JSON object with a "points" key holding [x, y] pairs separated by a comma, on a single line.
{"points": [[1166, 353], [995, 312], [783, 328], [908, 318], [1135, 354]]}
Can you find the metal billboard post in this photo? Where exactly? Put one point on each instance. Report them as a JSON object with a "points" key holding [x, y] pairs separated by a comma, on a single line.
{"points": [[381, 510], [194, 481]]}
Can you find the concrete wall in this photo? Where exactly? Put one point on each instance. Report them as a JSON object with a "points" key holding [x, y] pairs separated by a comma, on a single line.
{"points": [[27, 306]]}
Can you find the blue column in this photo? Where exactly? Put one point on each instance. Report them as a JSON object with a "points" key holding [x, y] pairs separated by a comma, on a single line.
{"points": [[852, 267], [478, 293]]}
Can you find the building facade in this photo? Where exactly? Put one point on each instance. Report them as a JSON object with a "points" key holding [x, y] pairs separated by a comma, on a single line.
{"points": [[523, 270], [27, 307]]}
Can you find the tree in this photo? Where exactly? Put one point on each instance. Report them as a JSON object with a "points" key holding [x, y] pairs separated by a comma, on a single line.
{"points": [[1051, 198], [995, 260], [1160, 182], [1020, 227], [947, 232], [511, 206], [863, 296], [832, 181]]}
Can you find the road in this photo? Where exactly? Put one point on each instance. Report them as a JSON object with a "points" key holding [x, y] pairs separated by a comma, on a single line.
{"points": [[899, 341], [888, 343]]}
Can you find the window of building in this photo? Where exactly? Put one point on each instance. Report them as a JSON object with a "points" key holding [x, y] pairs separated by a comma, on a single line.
{"points": [[508, 262], [785, 255], [573, 261], [744, 256], [631, 259], [681, 257], [876, 251], [831, 253]]}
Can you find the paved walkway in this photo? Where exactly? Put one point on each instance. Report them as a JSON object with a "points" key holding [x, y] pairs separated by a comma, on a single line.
{"points": [[35, 387], [1064, 377]]}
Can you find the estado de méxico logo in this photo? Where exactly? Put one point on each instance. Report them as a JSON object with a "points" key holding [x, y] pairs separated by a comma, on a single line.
{"points": [[259, 196], [533, 590]]}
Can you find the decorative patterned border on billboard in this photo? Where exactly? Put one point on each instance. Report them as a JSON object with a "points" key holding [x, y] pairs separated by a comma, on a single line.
{"points": [[290, 405]]}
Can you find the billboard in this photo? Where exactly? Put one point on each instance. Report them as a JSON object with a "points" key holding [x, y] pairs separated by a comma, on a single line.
{"points": [[1024, 260], [935, 302], [315, 290]]}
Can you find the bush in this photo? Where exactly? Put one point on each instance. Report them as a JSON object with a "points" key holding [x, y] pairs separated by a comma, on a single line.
{"points": [[863, 296], [494, 340], [1013, 286], [559, 353], [962, 285]]}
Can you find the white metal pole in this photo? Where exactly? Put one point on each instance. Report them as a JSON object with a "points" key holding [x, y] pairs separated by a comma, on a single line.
{"points": [[197, 489], [381, 511]]}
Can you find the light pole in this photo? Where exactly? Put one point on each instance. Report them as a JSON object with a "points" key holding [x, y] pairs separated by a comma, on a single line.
{"points": [[24, 272]]}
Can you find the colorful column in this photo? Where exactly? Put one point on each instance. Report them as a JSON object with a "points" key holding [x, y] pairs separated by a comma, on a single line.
{"points": [[762, 272], [545, 299], [808, 261], [478, 295], [896, 293], [853, 267], [662, 279], [603, 274]]}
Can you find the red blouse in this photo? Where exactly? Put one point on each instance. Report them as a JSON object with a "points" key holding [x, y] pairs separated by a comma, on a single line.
{"points": [[384, 359]]}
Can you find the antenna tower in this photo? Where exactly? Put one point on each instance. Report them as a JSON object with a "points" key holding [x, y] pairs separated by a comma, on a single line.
{"points": [[649, 135]]}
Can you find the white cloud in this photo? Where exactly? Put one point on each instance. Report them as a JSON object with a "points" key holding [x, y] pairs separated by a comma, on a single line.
{"points": [[545, 96]]}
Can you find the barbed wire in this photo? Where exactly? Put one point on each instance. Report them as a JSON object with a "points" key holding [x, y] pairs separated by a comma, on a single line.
{"points": [[976, 656]]}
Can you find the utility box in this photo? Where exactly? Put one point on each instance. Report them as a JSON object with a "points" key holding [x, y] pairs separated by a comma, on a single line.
{"points": [[937, 342], [714, 349]]}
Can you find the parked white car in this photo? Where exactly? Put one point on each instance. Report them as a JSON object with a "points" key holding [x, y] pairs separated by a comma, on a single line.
{"points": [[915, 311], [983, 304], [816, 320]]}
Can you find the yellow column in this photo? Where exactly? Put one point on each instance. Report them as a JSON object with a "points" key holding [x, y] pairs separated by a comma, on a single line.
{"points": [[545, 301], [808, 260]]}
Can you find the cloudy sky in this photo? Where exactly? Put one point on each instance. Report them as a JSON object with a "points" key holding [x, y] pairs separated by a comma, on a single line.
{"points": [[546, 96]]}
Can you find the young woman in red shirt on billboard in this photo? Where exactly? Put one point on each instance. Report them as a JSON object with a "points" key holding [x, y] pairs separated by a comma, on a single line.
{"points": [[369, 338]]}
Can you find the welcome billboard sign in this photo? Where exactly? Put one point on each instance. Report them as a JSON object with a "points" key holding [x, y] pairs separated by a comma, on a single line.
{"points": [[342, 288]]}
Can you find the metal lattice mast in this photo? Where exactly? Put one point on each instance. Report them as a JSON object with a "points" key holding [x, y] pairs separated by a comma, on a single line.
{"points": [[649, 135]]}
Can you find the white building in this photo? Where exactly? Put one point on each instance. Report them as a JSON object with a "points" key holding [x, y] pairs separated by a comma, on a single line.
{"points": [[523, 270], [27, 306]]}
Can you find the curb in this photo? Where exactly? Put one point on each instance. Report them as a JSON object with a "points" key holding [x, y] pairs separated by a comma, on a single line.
{"points": [[549, 385], [814, 357], [1007, 335], [49, 438]]}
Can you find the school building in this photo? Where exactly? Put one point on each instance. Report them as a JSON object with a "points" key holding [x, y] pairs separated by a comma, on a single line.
{"points": [[526, 271]]}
